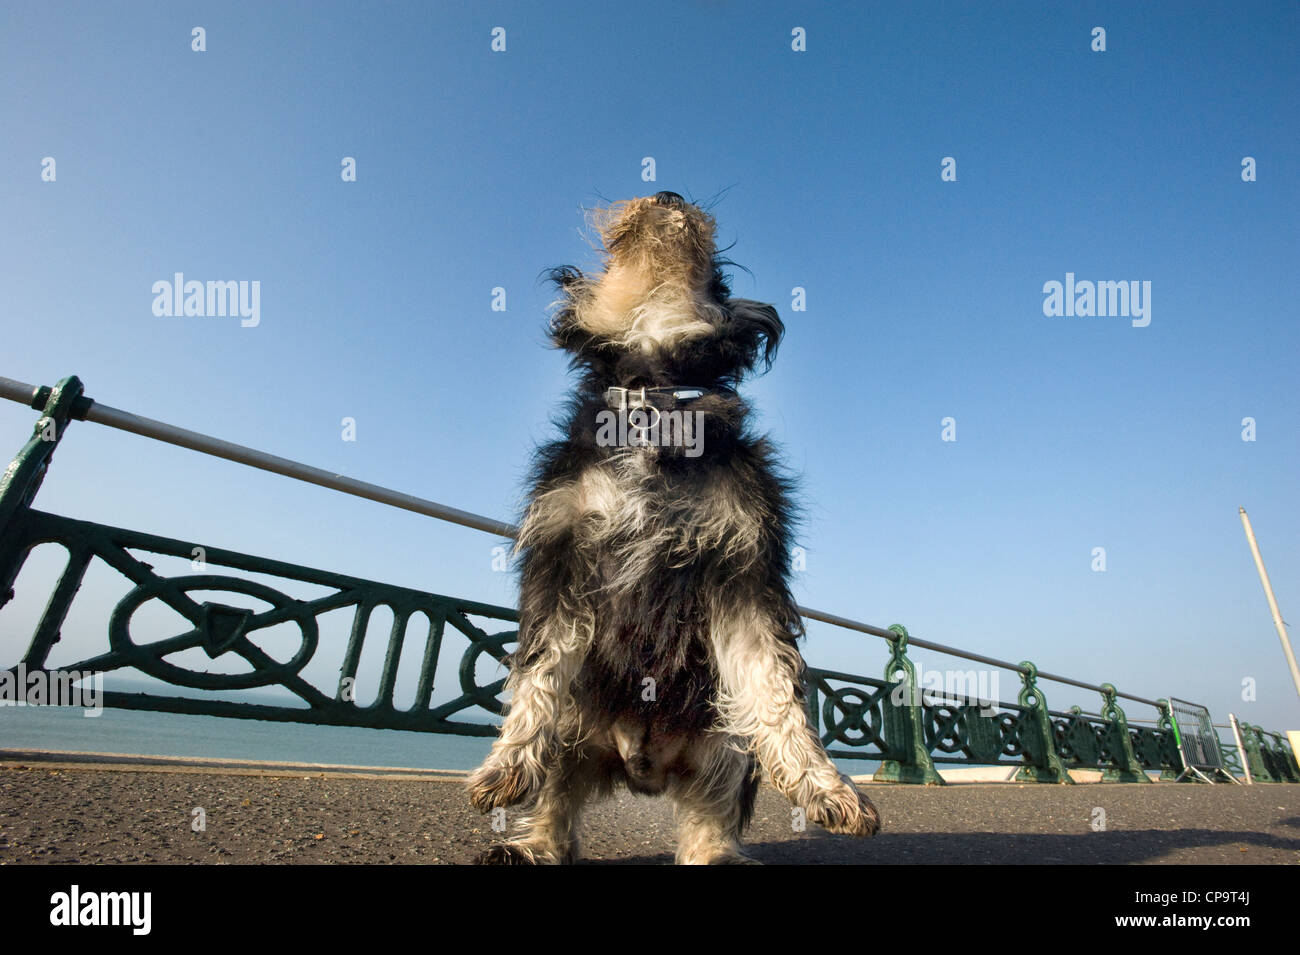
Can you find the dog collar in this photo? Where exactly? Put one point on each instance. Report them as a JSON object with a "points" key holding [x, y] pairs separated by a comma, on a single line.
{"points": [[621, 399]]}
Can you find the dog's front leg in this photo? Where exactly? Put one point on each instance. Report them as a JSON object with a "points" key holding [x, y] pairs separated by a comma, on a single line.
{"points": [[550, 825], [517, 766], [714, 804], [761, 700]]}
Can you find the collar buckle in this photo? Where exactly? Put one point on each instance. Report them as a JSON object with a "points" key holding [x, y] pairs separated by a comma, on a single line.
{"points": [[617, 398]]}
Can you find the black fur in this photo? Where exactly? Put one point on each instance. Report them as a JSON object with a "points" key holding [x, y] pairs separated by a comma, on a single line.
{"points": [[660, 629]]}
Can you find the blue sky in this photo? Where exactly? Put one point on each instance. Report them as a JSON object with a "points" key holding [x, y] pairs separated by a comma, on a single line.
{"points": [[924, 297]]}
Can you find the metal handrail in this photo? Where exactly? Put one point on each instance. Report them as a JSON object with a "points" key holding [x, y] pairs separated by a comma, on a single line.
{"points": [[90, 410]]}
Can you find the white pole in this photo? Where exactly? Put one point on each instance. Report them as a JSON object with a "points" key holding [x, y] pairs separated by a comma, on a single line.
{"points": [[1241, 748], [1272, 601]]}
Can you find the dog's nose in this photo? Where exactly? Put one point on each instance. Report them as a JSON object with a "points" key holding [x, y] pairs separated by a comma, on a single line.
{"points": [[639, 765], [669, 199]]}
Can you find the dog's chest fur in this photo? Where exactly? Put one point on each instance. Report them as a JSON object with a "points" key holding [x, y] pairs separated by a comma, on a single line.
{"points": [[648, 545]]}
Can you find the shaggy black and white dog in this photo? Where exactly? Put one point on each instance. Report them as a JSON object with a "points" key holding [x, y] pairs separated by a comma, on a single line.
{"points": [[657, 629]]}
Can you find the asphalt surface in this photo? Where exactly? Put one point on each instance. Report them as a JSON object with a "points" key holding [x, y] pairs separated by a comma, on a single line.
{"points": [[59, 812]]}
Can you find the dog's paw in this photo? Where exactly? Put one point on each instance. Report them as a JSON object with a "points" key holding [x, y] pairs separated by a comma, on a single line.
{"points": [[493, 786], [506, 853], [734, 858], [845, 810], [714, 856]]}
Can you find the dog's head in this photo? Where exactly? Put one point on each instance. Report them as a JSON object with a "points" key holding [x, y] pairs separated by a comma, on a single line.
{"points": [[660, 311]]}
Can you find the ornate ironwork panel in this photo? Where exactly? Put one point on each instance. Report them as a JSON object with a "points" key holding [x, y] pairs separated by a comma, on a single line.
{"points": [[225, 629], [849, 712]]}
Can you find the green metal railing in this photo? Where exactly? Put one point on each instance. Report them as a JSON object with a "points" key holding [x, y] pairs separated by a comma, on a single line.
{"points": [[908, 730]]}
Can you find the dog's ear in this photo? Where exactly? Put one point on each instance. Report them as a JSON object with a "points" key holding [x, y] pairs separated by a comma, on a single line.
{"points": [[756, 330], [564, 330]]}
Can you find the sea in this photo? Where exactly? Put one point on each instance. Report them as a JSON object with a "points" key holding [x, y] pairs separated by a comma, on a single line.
{"points": [[212, 737], [137, 732]]}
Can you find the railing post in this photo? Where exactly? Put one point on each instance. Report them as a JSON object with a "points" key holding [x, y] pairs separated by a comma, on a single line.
{"points": [[1035, 734], [1170, 764], [1283, 760], [904, 722], [1277, 756], [23, 477], [1255, 754], [812, 703], [1124, 767], [1287, 758]]}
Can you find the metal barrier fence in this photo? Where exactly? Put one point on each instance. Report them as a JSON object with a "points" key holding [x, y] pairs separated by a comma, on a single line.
{"points": [[892, 719]]}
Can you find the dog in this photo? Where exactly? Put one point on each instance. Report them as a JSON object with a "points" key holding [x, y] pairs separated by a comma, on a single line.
{"points": [[657, 630]]}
